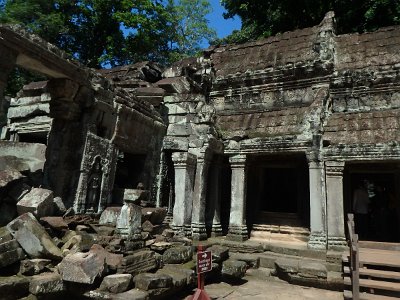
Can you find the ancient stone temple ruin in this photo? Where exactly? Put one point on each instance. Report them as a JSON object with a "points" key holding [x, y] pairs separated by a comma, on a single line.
{"points": [[268, 138]]}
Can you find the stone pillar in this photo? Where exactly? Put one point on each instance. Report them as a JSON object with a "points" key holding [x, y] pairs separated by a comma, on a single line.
{"points": [[237, 219], [7, 63], [199, 197], [184, 165], [335, 212], [317, 205], [214, 202]]}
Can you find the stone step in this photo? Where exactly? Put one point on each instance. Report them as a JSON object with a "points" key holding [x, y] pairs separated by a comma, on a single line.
{"points": [[365, 296], [281, 229]]}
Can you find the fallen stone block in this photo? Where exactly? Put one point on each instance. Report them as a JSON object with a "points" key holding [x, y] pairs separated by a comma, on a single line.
{"points": [[116, 283], [138, 262], [155, 215], [219, 253], [59, 207], [81, 241], [38, 201], [135, 195], [13, 287], [34, 266], [133, 294], [113, 261], [147, 226], [82, 267], [5, 235], [161, 246], [181, 277], [178, 255], [109, 216], [149, 281], [234, 269], [9, 175], [46, 284], [287, 265], [9, 246], [56, 223], [10, 257], [251, 260], [33, 238]]}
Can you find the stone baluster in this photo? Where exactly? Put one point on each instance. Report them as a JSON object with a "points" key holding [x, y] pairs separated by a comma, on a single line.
{"points": [[335, 211], [184, 165], [199, 196], [317, 205], [237, 219]]}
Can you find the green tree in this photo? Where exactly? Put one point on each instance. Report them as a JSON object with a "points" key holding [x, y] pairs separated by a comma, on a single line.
{"points": [[261, 18]]}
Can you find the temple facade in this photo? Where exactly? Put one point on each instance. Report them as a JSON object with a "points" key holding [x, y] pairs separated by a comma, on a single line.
{"points": [[269, 136]]}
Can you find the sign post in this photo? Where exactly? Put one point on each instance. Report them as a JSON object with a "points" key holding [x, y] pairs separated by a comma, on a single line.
{"points": [[204, 264]]}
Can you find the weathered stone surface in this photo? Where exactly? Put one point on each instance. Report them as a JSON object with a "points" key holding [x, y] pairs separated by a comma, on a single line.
{"points": [[175, 85], [219, 253], [5, 235], [135, 195], [32, 237], [81, 241], [113, 261], [9, 257], [312, 269], [149, 281], [117, 283], [178, 255], [129, 221], [161, 246], [155, 215], [234, 268], [147, 226], [181, 277], [138, 262], [56, 223], [109, 216], [59, 206], [34, 266], [287, 265], [9, 175], [252, 261], [14, 287], [22, 156], [82, 267], [46, 284], [133, 294], [38, 201]]}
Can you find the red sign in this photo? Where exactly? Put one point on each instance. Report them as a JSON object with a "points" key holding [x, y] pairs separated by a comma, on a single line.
{"points": [[204, 262]]}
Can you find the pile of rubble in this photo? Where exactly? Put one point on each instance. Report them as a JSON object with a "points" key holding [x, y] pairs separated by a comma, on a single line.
{"points": [[47, 251]]}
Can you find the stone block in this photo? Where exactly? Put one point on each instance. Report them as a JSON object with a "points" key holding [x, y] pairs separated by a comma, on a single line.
{"points": [[287, 265], [116, 283], [149, 281], [5, 235], [13, 287], [8, 176], [161, 246], [38, 201], [129, 221], [46, 284], [138, 262], [179, 130], [155, 215], [33, 238], [180, 277], [10, 257], [81, 241], [234, 269], [56, 223], [82, 267], [8, 246], [147, 226], [34, 266], [135, 195], [178, 255], [312, 269], [113, 261], [176, 143], [219, 253], [175, 85], [59, 207], [28, 111], [109, 216], [251, 260]]}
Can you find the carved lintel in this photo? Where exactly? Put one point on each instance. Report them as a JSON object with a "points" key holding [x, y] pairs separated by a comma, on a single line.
{"points": [[334, 168]]}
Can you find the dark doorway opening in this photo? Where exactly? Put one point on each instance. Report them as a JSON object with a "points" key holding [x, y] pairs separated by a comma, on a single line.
{"points": [[381, 223], [278, 191]]}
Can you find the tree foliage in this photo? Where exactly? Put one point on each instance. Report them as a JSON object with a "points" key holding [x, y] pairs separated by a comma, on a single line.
{"points": [[262, 18], [109, 32]]}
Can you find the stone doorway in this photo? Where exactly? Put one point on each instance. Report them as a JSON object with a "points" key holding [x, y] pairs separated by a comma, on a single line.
{"points": [[381, 181], [278, 196]]}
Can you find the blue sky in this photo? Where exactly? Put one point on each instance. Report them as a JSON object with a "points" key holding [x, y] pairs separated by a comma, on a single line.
{"points": [[217, 21]]}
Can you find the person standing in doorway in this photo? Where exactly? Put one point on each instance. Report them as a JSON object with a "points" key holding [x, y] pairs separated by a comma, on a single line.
{"points": [[360, 209]]}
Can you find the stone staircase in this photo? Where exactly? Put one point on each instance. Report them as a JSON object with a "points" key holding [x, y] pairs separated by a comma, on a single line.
{"points": [[293, 263], [379, 272]]}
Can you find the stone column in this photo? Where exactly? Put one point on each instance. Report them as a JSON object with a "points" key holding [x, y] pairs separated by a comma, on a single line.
{"points": [[214, 203], [237, 219], [7, 63], [335, 212], [317, 205], [199, 197], [184, 165]]}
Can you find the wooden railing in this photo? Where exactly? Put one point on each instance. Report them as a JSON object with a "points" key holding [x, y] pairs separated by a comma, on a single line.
{"points": [[354, 258]]}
